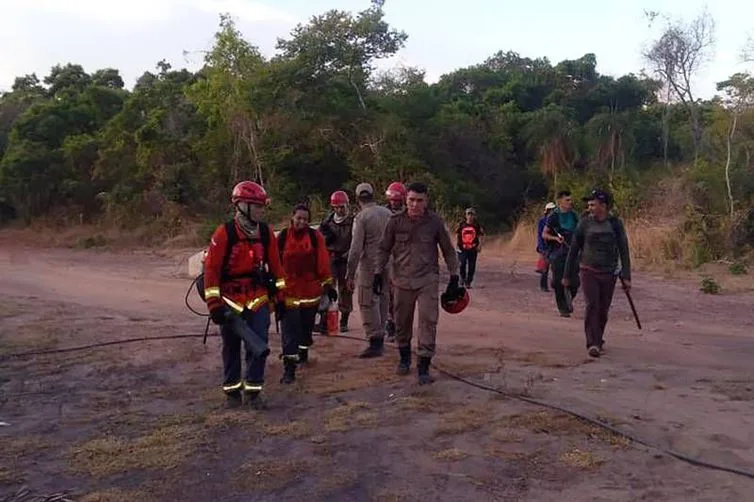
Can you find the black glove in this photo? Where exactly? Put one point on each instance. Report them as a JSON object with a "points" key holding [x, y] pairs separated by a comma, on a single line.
{"points": [[452, 290], [332, 294], [377, 284], [219, 314]]}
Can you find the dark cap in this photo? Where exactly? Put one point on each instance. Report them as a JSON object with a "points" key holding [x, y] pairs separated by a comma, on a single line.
{"points": [[599, 195]]}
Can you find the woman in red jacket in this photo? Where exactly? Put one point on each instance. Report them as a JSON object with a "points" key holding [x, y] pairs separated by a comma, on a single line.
{"points": [[306, 263]]}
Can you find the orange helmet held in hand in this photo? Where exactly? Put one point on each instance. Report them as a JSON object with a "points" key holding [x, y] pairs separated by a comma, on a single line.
{"points": [[396, 191], [455, 305], [339, 198], [248, 191]]}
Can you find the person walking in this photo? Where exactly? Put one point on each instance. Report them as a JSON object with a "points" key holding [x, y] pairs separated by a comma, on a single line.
{"points": [[396, 201], [558, 234], [543, 264], [368, 227], [599, 242], [241, 270], [337, 230], [411, 239], [469, 239], [307, 277]]}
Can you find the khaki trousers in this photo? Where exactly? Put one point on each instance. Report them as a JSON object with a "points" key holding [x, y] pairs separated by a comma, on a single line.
{"points": [[406, 302], [373, 310]]}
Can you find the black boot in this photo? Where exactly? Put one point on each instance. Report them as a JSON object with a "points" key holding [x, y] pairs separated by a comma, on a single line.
{"points": [[344, 322], [422, 370], [374, 349], [289, 371], [390, 331], [233, 399], [404, 365], [303, 355], [255, 401]]}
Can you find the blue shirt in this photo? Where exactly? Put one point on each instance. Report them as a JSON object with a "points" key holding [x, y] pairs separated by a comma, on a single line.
{"points": [[541, 246]]}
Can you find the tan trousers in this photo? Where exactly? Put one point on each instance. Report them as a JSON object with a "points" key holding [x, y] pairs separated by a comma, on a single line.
{"points": [[373, 310], [406, 301]]}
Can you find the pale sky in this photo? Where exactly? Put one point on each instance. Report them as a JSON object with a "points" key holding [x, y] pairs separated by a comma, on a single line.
{"points": [[443, 36]]}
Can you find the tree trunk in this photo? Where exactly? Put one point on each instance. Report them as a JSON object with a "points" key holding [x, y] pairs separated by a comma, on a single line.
{"points": [[727, 162]]}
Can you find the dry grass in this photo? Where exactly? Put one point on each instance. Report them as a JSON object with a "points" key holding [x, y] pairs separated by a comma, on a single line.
{"points": [[462, 420], [228, 418], [736, 390], [335, 480], [583, 460], [164, 448], [10, 476], [342, 418], [117, 495], [422, 403], [294, 429], [269, 475], [547, 422], [450, 455], [347, 376], [23, 446]]}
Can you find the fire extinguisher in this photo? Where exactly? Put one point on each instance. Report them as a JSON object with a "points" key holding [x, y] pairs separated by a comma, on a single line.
{"points": [[332, 319]]}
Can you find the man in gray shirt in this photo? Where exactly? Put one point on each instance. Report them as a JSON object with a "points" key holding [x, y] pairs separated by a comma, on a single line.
{"points": [[598, 243]]}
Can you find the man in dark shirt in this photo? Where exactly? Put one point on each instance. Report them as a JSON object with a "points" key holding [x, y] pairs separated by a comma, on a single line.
{"points": [[469, 240], [598, 243], [557, 234]]}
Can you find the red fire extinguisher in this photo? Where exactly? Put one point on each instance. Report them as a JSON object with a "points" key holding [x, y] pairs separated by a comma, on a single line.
{"points": [[332, 319]]}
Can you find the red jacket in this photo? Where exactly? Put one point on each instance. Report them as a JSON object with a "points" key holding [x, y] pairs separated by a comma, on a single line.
{"points": [[239, 288], [307, 270]]}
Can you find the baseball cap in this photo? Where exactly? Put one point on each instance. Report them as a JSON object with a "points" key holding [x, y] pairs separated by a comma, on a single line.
{"points": [[550, 205], [599, 195], [364, 187], [470, 210]]}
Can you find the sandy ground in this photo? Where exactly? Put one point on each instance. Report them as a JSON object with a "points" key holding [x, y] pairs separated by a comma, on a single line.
{"points": [[147, 421]]}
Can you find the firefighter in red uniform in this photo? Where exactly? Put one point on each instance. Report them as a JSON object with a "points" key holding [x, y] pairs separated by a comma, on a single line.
{"points": [[307, 276], [396, 202], [241, 270]]}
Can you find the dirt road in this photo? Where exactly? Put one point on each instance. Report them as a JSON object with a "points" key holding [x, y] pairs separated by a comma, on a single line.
{"points": [[146, 421]]}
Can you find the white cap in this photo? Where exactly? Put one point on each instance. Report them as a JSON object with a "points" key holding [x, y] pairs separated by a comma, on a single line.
{"points": [[364, 187]]}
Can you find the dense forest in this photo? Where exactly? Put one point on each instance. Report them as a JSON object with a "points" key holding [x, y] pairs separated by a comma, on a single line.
{"points": [[77, 146]]}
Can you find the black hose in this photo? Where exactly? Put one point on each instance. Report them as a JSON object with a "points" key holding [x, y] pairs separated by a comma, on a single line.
{"points": [[186, 300], [536, 402]]}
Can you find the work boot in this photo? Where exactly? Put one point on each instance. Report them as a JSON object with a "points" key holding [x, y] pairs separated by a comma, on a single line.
{"points": [[422, 370], [404, 365], [233, 399], [303, 355], [374, 349], [594, 351], [390, 331], [255, 401], [344, 322], [289, 371]]}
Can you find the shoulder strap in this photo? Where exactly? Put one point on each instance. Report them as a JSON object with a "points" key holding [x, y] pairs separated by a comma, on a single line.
{"points": [[232, 238], [281, 242], [264, 236], [313, 237]]}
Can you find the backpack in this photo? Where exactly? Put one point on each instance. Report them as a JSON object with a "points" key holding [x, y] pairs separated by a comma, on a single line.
{"points": [[232, 240], [468, 237], [284, 234]]}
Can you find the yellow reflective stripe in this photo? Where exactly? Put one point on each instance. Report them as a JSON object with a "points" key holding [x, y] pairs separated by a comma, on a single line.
{"points": [[257, 302], [280, 283], [251, 387], [302, 302], [235, 306], [292, 357], [327, 281], [211, 292], [303, 347], [232, 387]]}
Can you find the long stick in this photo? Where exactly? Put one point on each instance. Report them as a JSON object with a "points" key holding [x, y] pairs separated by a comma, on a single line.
{"points": [[206, 331], [630, 302]]}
